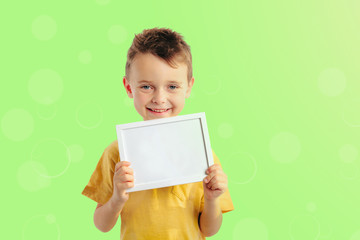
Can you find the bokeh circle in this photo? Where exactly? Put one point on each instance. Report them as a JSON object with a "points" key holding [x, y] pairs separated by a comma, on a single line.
{"points": [[76, 152], [46, 112], [350, 112], [225, 130], [348, 153], [250, 228], [246, 168], [45, 86], [89, 115], [332, 82], [117, 34], [85, 57], [304, 226], [52, 153], [17, 124], [41, 227], [44, 27], [285, 147], [29, 179]]}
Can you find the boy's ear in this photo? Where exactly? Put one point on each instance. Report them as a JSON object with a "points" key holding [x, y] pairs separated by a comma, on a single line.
{"points": [[188, 91], [127, 87]]}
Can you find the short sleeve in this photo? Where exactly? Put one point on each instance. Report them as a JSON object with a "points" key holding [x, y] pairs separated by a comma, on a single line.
{"points": [[226, 203], [100, 185]]}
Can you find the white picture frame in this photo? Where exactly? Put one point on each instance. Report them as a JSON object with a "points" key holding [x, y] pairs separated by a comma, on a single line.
{"points": [[174, 150]]}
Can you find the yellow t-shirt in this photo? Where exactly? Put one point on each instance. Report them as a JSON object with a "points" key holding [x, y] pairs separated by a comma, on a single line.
{"points": [[163, 213]]}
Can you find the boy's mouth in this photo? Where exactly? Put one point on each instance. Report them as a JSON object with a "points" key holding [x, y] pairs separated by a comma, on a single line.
{"points": [[158, 111]]}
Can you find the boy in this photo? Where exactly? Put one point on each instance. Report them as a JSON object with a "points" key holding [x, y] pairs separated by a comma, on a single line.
{"points": [[159, 78]]}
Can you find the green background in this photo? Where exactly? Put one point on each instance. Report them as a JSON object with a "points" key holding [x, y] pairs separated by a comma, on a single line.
{"points": [[278, 81]]}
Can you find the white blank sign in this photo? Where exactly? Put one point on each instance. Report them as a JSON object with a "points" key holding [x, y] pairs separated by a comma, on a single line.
{"points": [[167, 151]]}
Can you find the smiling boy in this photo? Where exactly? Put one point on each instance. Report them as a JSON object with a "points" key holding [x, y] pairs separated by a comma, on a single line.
{"points": [[159, 79], [158, 89]]}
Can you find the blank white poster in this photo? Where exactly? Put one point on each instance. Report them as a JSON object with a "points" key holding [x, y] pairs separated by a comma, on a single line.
{"points": [[166, 152]]}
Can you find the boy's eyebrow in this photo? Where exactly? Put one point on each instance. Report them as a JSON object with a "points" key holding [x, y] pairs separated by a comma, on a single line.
{"points": [[144, 81], [171, 81]]}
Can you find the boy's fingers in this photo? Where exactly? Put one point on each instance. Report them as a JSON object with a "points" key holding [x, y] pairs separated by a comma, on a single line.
{"points": [[209, 177], [212, 174], [217, 179], [216, 186], [213, 167], [123, 171], [127, 170], [211, 185], [121, 164], [212, 182], [129, 184], [126, 178], [125, 185]]}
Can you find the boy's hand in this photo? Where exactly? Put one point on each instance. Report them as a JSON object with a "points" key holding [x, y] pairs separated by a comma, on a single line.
{"points": [[215, 183], [123, 179]]}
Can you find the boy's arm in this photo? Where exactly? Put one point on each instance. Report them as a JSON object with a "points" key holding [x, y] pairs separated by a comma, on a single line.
{"points": [[106, 216], [214, 184], [211, 218]]}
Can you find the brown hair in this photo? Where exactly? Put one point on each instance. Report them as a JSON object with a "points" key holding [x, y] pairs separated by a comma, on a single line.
{"points": [[164, 43]]}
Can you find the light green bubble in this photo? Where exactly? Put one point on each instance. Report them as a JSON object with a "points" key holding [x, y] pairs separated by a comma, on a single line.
{"points": [[76, 152], [45, 86], [41, 227], [44, 27], [17, 124], [326, 230], [29, 179], [246, 168], [85, 56], [285, 147], [355, 235], [351, 113], [46, 112], [250, 228], [52, 153], [311, 207], [349, 171], [50, 219], [89, 115], [117, 34], [225, 130], [348, 153], [332, 82], [304, 227]]}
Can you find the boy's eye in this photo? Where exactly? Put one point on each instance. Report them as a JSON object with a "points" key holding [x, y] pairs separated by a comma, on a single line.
{"points": [[147, 87]]}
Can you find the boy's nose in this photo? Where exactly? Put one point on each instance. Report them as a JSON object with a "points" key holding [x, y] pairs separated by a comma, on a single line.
{"points": [[159, 97]]}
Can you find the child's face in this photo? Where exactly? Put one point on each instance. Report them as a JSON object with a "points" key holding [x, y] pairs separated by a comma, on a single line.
{"points": [[158, 90]]}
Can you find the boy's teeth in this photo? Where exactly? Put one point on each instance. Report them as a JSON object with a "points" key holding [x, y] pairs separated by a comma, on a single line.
{"points": [[158, 110]]}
